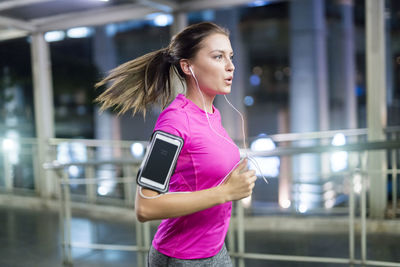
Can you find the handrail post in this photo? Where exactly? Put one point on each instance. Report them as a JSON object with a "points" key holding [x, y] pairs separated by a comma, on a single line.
{"points": [[8, 173], [394, 179], [128, 171], [139, 244], [147, 240], [231, 239], [67, 213], [364, 182], [351, 217], [65, 216], [91, 191], [36, 170], [240, 232], [62, 218]]}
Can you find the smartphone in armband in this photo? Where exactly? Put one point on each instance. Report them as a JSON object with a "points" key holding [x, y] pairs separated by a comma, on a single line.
{"points": [[159, 162]]}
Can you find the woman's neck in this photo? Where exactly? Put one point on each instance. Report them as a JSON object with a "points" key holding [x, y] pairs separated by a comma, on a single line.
{"points": [[194, 95]]}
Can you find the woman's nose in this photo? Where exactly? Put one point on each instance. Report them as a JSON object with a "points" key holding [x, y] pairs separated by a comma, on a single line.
{"points": [[230, 66]]}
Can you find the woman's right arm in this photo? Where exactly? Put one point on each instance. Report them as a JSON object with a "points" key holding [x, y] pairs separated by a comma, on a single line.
{"points": [[238, 185]]}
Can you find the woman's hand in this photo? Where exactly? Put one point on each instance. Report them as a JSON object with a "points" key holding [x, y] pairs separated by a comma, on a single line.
{"points": [[238, 185], [240, 182]]}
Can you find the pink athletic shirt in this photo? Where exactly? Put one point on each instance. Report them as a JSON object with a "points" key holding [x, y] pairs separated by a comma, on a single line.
{"points": [[204, 161]]}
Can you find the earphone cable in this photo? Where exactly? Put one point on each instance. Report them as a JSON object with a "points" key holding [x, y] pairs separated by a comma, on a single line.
{"points": [[226, 139], [243, 131]]}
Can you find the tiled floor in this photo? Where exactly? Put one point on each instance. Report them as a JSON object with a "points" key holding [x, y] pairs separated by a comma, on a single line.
{"points": [[31, 238]]}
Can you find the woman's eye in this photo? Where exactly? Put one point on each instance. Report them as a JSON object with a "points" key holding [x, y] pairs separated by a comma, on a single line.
{"points": [[218, 57]]}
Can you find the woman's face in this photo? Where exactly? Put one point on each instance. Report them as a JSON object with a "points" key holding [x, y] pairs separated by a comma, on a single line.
{"points": [[212, 65]]}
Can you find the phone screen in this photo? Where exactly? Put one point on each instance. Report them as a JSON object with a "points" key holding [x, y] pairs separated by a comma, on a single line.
{"points": [[159, 162]]}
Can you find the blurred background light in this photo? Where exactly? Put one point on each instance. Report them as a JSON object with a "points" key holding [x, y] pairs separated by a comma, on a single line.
{"points": [[269, 166], [107, 185], [246, 202], [263, 143], [103, 190], [258, 3], [285, 203], [248, 100], [111, 29], [69, 152], [357, 183], [255, 80], [73, 171], [137, 150], [258, 70], [330, 194], [303, 208], [63, 153], [79, 32], [161, 19], [54, 36], [11, 146], [339, 159], [330, 203], [339, 139]]}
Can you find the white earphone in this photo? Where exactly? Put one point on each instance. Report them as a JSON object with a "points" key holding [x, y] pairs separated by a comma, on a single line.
{"points": [[191, 71], [223, 137]]}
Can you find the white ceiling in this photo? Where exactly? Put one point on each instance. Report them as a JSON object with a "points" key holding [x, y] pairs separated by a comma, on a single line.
{"points": [[22, 17]]}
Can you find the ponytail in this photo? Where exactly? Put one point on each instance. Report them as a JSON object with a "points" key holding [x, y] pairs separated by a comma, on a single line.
{"points": [[138, 83], [148, 79]]}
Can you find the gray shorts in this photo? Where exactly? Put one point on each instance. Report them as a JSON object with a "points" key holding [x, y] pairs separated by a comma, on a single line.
{"points": [[157, 259]]}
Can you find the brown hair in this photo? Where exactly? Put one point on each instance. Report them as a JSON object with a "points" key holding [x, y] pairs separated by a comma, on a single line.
{"points": [[146, 80]]}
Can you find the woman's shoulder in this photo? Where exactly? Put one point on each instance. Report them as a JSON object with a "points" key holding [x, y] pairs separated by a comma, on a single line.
{"points": [[174, 119], [175, 111]]}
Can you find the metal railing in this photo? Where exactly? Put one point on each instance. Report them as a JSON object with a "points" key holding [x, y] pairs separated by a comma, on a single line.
{"points": [[64, 183], [64, 190], [20, 156], [28, 147], [360, 173], [237, 233]]}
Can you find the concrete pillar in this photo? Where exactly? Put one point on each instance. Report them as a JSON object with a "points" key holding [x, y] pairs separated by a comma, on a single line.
{"points": [[229, 19], [106, 124], [309, 106], [44, 110], [376, 104], [285, 177], [343, 69], [389, 55], [180, 22], [348, 55]]}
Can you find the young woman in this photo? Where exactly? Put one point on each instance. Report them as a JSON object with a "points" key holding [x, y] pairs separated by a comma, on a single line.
{"points": [[194, 224]]}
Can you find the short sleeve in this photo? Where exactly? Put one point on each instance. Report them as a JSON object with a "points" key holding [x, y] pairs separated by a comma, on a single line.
{"points": [[174, 121]]}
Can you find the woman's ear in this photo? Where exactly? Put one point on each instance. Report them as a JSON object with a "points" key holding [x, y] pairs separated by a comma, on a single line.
{"points": [[184, 63]]}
